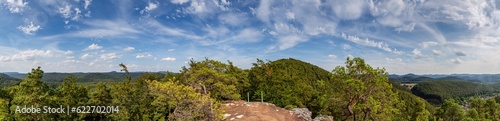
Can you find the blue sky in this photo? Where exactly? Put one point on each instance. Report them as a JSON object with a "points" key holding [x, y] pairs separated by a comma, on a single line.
{"points": [[403, 36]]}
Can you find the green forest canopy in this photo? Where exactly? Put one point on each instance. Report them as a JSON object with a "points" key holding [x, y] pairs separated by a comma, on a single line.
{"points": [[355, 91]]}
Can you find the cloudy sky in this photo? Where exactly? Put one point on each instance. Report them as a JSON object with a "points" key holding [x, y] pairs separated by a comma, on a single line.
{"points": [[404, 36]]}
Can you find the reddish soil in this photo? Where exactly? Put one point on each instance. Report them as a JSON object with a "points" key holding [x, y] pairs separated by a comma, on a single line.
{"points": [[256, 111]]}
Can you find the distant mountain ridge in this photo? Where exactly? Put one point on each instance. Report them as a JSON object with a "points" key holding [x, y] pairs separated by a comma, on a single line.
{"points": [[476, 78], [6, 80], [11, 78]]}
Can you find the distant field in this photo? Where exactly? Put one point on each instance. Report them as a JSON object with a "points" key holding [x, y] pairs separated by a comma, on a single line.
{"points": [[409, 85]]}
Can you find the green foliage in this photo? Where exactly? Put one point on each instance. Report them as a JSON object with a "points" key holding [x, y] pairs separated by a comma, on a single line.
{"points": [[6, 80], [438, 91], [100, 96], [214, 78], [30, 92], [288, 82], [69, 94], [363, 92], [451, 111], [173, 101], [355, 91], [134, 100], [4, 110]]}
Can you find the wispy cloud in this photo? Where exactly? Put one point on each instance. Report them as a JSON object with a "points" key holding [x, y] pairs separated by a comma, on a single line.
{"points": [[371, 43], [168, 59], [85, 56], [129, 49], [93, 47], [151, 6], [332, 56], [29, 29], [27, 55], [109, 56], [16, 6], [144, 55]]}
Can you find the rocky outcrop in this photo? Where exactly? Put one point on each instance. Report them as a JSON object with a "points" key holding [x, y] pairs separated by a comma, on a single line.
{"points": [[303, 114], [257, 111]]}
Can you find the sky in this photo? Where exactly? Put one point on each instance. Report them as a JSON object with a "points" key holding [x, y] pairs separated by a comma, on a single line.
{"points": [[402, 36]]}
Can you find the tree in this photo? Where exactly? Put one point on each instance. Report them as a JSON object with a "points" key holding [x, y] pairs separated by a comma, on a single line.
{"points": [[492, 109], [173, 101], [364, 93], [211, 77], [451, 111], [4, 110], [478, 105], [30, 92], [132, 97], [100, 96], [69, 94]]}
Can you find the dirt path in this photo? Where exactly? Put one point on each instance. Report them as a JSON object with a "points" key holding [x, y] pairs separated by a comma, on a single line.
{"points": [[256, 111]]}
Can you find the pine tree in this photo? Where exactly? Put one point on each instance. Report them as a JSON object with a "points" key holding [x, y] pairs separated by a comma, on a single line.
{"points": [[31, 92], [69, 94], [100, 96], [451, 111]]}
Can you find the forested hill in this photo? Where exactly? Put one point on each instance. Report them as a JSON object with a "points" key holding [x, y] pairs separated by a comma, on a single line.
{"points": [[53, 79], [476, 78], [82, 77], [6, 80], [438, 91]]}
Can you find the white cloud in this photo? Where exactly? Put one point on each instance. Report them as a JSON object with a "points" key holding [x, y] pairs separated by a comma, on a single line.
{"points": [[416, 52], [407, 28], [290, 15], [393, 60], [233, 19], [459, 53], [168, 59], [290, 41], [16, 6], [456, 60], [473, 13], [179, 1], [30, 29], [198, 7], [263, 11], [71, 61], [436, 52], [332, 56], [109, 56], [87, 3], [346, 47], [371, 43], [93, 47], [247, 35], [68, 52], [129, 49], [348, 9], [67, 13], [77, 15], [170, 50], [428, 44], [85, 56], [151, 6], [27, 55], [144, 55]]}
